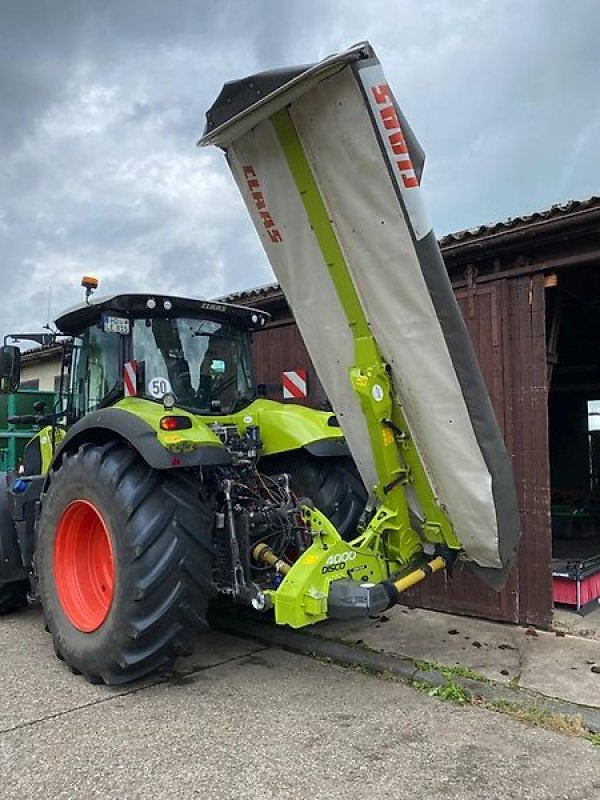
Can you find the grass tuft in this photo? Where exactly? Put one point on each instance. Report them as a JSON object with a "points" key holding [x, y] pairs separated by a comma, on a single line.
{"points": [[452, 692], [536, 715], [456, 670]]}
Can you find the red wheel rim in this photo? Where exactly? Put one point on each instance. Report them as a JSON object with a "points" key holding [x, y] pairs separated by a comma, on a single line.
{"points": [[84, 570]]}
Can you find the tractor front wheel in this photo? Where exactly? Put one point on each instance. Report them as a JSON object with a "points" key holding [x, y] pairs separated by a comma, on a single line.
{"points": [[124, 563]]}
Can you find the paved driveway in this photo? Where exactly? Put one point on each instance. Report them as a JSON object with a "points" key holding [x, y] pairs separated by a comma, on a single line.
{"points": [[251, 722]]}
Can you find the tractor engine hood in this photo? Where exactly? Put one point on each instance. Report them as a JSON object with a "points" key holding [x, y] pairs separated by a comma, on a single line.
{"points": [[367, 165]]}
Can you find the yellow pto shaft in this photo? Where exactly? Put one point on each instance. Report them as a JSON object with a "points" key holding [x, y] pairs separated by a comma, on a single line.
{"points": [[436, 564]]}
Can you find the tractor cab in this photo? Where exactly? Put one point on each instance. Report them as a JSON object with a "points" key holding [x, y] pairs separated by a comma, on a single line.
{"points": [[192, 353]]}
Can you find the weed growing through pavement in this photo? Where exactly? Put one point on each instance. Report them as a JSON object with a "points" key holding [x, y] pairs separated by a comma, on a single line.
{"points": [[451, 691], [421, 686], [536, 715], [457, 670]]}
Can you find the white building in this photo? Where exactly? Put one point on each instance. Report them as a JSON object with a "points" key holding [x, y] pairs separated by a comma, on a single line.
{"points": [[40, 368]]}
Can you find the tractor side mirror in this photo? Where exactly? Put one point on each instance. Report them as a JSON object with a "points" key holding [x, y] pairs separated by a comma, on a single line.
{"points": [[10, 368]]}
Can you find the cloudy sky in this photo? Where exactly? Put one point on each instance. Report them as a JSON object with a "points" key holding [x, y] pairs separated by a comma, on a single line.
{"points": [[101, 104]]}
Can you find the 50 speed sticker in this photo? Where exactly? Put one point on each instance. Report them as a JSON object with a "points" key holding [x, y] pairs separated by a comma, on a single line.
{"points": [[158, 387]]}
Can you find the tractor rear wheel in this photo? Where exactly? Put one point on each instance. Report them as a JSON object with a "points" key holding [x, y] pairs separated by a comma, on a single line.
{"points": [[332, 483], [124, 563], [13, 596]]}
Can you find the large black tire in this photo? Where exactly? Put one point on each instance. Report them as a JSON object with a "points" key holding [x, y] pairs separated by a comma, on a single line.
{"points": [[13, 596], [332, 483], [160, 531]]}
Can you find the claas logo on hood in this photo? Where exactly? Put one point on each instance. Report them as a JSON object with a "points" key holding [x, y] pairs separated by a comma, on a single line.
{"points": [[260, 203], [383, 98]]}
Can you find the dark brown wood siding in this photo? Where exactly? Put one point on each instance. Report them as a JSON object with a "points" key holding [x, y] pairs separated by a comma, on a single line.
{"points": [[281, 348], [506, 320], [531, 450]]}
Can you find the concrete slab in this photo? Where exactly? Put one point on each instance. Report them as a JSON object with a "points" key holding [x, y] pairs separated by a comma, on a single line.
{"points": [[559, 666], [562, 667], [576, 624], [274, 725], [29, 692], [488, 648]]}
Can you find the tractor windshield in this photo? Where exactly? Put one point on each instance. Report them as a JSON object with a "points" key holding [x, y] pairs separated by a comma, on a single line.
{"points": [[205, 364]]}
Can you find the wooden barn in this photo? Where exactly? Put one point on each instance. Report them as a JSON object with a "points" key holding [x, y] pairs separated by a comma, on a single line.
{"points": [[529, 290]]}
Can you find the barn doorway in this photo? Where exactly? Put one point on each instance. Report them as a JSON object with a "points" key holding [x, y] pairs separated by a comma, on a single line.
{"points": [[573, 335]]}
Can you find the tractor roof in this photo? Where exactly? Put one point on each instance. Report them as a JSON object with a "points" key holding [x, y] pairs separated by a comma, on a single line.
{"points": [[79, 317]]}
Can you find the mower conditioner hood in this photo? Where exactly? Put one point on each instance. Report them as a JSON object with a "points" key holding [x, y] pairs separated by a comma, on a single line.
{"points": [[367, 166]]}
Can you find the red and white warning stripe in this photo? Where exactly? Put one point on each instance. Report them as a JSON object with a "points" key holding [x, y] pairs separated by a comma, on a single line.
{"points": [[130, 378], [294, 384]]}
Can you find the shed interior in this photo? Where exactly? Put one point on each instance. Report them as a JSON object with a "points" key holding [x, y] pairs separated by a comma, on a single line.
{"points": [[573, 335]]}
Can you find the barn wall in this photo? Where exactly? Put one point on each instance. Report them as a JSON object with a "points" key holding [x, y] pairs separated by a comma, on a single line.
{"points": [[281, 348], [529, 443], [506, 320]]}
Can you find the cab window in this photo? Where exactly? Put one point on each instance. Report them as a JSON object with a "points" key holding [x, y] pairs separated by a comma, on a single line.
{"points": [[96, 369]]}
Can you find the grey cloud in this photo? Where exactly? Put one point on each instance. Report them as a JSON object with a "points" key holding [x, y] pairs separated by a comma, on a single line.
{"points": [[101, 104]]}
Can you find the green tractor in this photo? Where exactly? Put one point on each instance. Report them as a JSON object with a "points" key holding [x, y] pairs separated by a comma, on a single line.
{"points": [[152, 481], [163, 480]]}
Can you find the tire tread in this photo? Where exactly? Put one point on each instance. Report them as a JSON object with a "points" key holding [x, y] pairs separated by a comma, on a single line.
{"points": [[167, 534]]}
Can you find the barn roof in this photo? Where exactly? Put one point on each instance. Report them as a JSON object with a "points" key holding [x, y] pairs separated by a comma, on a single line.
{"points": [[452, 244]]}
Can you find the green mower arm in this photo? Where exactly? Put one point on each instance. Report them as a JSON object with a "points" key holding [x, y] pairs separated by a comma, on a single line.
{"points": [[312, 590]]}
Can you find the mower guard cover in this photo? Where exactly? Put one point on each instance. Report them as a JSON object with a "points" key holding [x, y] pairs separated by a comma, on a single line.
{"points": [[367, 165]]}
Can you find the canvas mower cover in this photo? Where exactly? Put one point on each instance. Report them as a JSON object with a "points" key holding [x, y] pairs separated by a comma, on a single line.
{"points": [[367, 165]]}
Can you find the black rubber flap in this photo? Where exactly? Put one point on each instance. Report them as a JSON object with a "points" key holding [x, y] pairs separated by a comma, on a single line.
{"points": [[237, 96]]}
